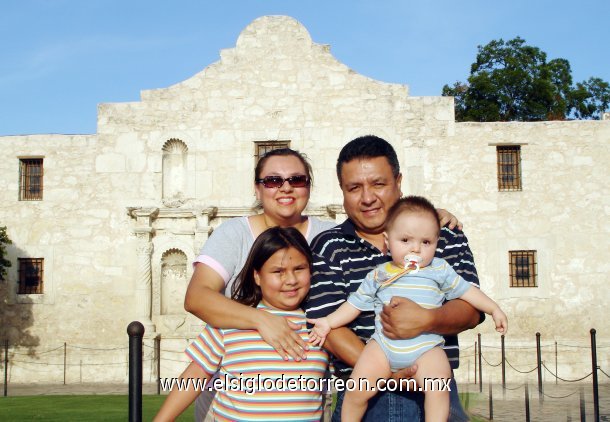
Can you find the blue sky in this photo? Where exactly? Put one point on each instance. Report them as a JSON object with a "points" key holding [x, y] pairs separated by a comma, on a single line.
{"points": [[60, 58]]}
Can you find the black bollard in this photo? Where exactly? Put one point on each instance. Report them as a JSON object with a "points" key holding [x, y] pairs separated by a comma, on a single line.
{"points": [[158, 353], [595, 385], [539, 363], [135, 330]]}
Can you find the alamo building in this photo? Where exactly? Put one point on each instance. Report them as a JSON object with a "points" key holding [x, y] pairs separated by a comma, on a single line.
{"points": [[105, 226]]}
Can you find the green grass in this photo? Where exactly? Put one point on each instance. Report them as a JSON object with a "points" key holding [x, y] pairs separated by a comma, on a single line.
{"points": [[102, 407], [79, 408]]}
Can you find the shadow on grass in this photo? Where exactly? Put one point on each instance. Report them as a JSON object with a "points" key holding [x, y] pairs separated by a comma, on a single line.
{"points": [[469, 400], [80, 408]]}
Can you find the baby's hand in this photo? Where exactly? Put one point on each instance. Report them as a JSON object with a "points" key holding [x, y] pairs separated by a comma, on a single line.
{"points": [[318, 333], [500, 320]]}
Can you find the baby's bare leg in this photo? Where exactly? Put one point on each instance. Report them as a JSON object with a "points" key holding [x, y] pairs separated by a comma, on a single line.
{"points": [[371, 365], [434, 364]]}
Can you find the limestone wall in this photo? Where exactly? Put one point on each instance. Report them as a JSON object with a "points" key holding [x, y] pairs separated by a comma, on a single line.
{"points": [[112, 226]]}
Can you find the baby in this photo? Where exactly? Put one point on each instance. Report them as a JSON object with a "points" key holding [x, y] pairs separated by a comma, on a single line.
{"points": [[411, 235]]}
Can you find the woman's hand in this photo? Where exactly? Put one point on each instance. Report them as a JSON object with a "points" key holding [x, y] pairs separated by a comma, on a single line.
{"points": [[449, 219], [280, 334], [318, 333]]}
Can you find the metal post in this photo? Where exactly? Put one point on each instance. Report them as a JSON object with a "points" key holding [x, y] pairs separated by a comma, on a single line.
{"points": [[158, 353], [491, 403], [5, 367], [65, 351], [135, 330], [556, 371], [595, 384], [539, 363], [480, 366], [527, 404], [503, 364], [475, 362]]}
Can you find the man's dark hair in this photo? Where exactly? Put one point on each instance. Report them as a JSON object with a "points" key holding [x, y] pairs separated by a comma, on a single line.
{"points": [[368, 146]]}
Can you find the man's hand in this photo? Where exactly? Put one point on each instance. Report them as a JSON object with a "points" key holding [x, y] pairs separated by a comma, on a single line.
{"points": [[404, 373], [402, 318]]}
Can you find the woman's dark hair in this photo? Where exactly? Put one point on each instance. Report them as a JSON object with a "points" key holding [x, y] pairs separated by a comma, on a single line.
{"points": [[245, 290], [282, 152]]}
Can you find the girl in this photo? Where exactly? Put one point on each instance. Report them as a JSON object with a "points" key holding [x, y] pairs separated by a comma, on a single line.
{"points": [[256, 379], [411, 234]]}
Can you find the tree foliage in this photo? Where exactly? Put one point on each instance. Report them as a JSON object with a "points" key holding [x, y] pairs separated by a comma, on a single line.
{"points": [[4, 263], [512, 81]]}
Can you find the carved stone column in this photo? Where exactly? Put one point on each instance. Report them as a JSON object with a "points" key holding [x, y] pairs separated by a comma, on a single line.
{"points": [[203, 227], [144, 283], [143, 293]]}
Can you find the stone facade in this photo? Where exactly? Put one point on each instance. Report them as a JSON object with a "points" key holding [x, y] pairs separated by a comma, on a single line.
{"points": [[125, 210]]}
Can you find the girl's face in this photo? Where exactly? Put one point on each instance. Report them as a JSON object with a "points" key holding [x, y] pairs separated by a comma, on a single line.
{"points": [[285, 202], [284, 279]]}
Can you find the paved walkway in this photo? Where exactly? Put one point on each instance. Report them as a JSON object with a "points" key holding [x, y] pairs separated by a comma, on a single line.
{"points": [[561, 402]]}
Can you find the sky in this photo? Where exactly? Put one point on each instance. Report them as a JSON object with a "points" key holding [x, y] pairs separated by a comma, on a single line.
{"points": [[59, 59]]}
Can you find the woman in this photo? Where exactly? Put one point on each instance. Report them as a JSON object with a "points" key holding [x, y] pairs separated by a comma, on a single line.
{"points": [[282, 186]]}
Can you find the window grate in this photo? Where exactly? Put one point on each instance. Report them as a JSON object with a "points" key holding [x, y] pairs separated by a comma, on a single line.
{"points": [[261, 148], [30, 179], [523, 267], [509, 167], [31, 271]]}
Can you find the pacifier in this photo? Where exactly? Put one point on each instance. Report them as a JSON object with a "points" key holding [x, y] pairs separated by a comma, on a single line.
{"points": [[412, 262]]}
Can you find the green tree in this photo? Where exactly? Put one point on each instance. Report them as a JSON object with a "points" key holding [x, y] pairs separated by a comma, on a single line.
{"points": [[512, 81], [4, 263]]}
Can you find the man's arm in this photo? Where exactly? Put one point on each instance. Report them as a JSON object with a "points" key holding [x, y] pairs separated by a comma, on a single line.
{"points": [[344, 345], [327, 293], [403, 318]]}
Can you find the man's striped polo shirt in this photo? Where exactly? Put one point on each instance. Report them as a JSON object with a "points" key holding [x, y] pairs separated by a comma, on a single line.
{"points": [[341, 261]]}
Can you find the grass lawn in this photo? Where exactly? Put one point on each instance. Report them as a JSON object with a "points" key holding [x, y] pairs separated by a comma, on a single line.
{"points": [[79, 408], [99, 408]]}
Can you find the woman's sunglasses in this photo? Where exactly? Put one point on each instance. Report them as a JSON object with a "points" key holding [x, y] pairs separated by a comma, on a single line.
{"points": [[271, 182]]}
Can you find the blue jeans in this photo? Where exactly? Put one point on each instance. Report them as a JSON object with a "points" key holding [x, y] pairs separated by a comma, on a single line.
{"points": [[405, 406], [388, 407]]}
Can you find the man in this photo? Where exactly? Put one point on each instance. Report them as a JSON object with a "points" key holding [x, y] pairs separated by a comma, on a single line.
{"points": [[369, 177]]}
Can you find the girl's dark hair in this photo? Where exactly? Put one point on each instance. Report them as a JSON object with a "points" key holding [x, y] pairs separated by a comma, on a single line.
{"points": [[282, 152], [411, 204], [245, 290]]}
